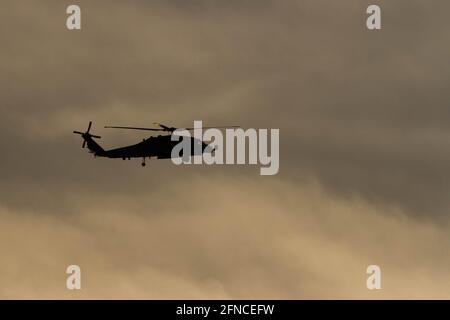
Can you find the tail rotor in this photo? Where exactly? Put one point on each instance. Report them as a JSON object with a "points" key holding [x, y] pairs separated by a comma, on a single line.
{"points": [[86, 135]]}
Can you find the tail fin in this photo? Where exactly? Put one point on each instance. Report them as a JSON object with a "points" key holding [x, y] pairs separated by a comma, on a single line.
{"points": [[93, 146]]}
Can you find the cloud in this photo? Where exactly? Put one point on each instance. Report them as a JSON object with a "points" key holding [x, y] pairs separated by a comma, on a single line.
{"points": [[362, 114], [212, 241]]}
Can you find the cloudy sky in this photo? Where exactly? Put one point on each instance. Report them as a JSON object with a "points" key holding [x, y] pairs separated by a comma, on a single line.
{"points": [[364, 149]]}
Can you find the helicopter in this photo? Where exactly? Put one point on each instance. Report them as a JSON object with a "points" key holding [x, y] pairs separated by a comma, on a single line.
{"points": [[154, 146]]}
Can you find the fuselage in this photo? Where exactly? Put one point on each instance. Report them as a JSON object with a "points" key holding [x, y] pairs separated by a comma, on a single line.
{"points": [[159, 147]]}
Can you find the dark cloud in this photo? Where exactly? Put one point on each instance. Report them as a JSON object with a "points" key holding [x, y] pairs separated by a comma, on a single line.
{"points": [[362, 114]]}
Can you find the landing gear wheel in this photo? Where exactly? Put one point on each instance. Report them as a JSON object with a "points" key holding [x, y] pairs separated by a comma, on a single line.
{"points": [[143, 164]]}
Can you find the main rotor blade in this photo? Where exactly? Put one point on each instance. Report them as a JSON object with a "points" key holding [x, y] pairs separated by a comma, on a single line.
{"points": [[213, 127], [162, 126], [165, 128], [134, 128], [78, 132], [84, 144], [89, 126]]}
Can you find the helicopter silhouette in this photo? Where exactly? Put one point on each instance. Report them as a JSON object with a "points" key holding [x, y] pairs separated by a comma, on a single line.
{"points": [[154, 146]]}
